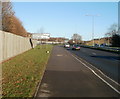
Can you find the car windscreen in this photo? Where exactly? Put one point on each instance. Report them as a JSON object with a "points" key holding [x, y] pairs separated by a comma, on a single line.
{"points": [[76, 45]]}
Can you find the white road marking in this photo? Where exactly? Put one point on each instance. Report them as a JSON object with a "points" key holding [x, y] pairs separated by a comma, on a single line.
{"points": [[44, 91], [43, 95], [94, 53], [44, 85], [59, 55], [97, 75], [108, 77], [99, 71]]}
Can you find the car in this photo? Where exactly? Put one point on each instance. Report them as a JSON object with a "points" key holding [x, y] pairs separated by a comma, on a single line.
{"points": [[103, 45], [75, 47], [67, 45]]}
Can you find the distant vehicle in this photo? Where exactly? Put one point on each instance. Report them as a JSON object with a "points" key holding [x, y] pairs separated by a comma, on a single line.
{"points": [[75, 47], [96, 45], [103, 45], [67, 45]]}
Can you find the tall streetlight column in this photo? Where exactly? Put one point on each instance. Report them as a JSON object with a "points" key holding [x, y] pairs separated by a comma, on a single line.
{"points": [[93, 30], [92, 27]]}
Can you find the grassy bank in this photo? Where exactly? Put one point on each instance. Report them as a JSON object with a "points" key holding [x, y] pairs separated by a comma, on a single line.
{"points": [[22, 73]]}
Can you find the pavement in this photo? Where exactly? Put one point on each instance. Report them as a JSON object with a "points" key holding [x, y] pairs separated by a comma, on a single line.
{"points": [[66, 76]]}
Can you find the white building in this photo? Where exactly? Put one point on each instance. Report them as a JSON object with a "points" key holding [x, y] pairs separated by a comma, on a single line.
{"points": [[40, 35]]}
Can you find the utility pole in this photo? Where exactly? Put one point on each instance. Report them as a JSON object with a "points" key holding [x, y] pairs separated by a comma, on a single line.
{"points": [[92, 26]]}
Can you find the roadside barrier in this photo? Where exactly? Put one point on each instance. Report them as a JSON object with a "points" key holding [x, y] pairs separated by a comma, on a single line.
{"points": [[12, 45]]}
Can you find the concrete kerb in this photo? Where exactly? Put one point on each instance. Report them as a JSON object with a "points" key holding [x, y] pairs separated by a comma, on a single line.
{"points": [[39, 84]]}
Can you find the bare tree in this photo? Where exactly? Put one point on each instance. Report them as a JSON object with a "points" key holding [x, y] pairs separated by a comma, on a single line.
{"points": [[7, 8], [18, 28], [112, 30], [116, 40], [76, 38], [113, 35], [10, 23], [7, 13], [119, 30]]}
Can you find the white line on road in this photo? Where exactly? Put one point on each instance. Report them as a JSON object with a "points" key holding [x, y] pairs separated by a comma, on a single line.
{"points": [[59, 55], [108, 77], [97, 70], [101, 72], [94, 53], [97, 75]]}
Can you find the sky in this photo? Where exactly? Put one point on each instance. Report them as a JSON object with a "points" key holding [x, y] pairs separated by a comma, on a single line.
{"points": [[63, 19]]}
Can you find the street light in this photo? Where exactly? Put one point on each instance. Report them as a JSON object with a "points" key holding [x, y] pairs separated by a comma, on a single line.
{"points": [[92, 25]]}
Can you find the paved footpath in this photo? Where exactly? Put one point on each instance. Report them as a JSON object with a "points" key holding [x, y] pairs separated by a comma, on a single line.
{"points": [[65, 76]]}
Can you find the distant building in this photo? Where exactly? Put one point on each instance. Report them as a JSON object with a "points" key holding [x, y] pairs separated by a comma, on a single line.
{"points": [[59, 39], [40, 36]]}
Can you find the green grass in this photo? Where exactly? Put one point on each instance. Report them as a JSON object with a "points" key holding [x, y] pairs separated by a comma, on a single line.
{"points": [[22, 73]]}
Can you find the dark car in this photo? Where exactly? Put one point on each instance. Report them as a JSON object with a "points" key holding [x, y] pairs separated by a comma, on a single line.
{"points": [[75, 47]]}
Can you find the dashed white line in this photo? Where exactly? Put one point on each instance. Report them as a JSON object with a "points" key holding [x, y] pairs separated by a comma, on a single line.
{"points": [[101, 72], [94, 53], [59, 55], [97, 75]]}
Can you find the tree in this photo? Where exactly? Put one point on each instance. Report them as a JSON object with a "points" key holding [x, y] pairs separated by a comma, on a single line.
{"points": [[10, 23], [118, 30], [112, 31], [7, 13], [76, 38], [116, 40], [18, 28]]}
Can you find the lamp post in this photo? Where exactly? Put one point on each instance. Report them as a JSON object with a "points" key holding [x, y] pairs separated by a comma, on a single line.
{"points": [[92, 26]]}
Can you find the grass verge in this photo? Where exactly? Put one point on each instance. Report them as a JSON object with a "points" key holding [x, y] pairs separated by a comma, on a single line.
{"points": [[21, 74]]}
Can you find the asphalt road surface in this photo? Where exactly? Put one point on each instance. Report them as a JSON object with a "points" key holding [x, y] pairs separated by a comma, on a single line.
{"points": [[68, 76], [107, 62]]}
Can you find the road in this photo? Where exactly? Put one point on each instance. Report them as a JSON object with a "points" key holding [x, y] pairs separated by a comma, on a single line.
{"points": [[107, 62], [68, 76]]}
